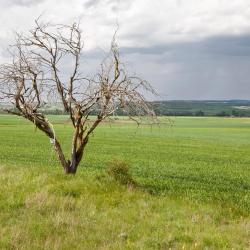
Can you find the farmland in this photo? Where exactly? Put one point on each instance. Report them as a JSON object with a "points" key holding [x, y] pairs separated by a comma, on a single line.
{"points": [[193, 187]]}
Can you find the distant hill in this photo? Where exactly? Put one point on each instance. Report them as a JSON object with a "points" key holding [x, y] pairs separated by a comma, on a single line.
{"points": [[237, 108]]}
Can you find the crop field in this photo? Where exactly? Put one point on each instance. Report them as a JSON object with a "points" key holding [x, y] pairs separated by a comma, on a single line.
{"points": [[192, 192]]}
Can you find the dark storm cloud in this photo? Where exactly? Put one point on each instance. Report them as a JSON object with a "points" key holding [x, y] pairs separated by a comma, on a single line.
{"points": [[214, 46], [212, 68]]}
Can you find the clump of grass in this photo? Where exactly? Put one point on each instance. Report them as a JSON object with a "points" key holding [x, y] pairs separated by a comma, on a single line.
{"points": [[119, 171]]}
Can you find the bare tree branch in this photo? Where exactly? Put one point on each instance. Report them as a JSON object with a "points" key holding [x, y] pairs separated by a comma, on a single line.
{"points": [[34, 75]]}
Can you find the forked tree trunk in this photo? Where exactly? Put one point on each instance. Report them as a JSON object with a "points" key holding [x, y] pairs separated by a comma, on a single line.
{"points": [[70, 167]]}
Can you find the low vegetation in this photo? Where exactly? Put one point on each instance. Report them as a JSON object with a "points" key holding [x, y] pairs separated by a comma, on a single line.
{"points": [[192, 187], [119, 171]]}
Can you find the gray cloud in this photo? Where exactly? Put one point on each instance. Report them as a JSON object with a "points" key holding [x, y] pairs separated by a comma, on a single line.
{"points": [[234, 45], [91, 3], [212, 68], [114, 5], [120, 5]]}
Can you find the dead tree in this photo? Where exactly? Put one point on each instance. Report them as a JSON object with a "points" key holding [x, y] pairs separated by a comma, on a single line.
{"points": [[38, 73]]}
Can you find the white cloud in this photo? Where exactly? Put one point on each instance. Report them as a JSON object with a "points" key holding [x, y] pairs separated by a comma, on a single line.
{"points": [[142, 22]]}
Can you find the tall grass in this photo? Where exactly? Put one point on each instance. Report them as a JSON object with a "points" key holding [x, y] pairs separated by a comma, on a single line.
{"points": [[193, 187]]}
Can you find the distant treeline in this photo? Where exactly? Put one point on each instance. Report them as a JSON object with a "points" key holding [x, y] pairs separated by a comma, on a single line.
{"points": [[235, 108], [234, 113]]}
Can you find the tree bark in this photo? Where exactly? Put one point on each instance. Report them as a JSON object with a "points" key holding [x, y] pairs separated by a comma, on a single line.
{"points": [[65, 164], [70, 169], [76, 158]]}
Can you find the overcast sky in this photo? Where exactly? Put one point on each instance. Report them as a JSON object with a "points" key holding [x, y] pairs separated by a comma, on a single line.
{"points": [[187, 49]]}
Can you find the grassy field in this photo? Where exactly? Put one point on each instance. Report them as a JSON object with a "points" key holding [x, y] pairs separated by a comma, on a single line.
{"points": [[193, 187]]}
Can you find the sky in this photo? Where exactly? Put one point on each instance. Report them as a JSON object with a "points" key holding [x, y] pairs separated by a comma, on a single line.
{"points": [[186, 49]]}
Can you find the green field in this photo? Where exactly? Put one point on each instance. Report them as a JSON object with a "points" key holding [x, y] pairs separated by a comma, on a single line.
{"points": [[193, 187]]}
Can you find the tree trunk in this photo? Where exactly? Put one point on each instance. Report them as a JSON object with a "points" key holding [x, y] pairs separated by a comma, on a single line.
{"points": [[76, 158], [64, 163], [70, 169], [72, 165]]}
